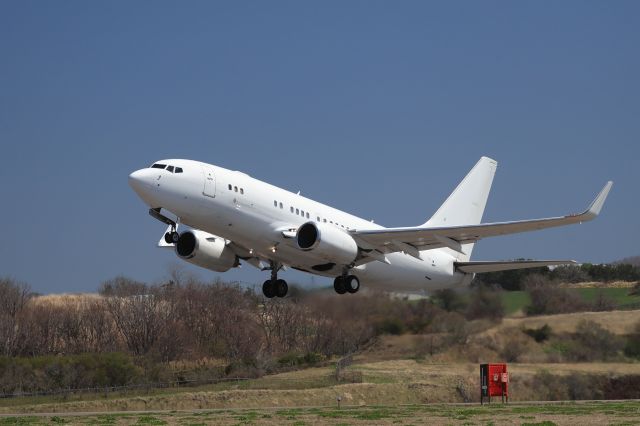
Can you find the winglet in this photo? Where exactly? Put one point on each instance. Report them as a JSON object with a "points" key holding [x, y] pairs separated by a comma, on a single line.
{"points": [[595, 207]]}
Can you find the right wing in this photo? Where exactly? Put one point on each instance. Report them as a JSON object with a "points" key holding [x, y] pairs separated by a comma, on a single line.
{"points": [[480, 267], [411, 240]]}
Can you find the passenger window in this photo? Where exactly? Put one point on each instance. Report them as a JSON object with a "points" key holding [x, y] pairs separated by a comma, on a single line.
{"points": [[280, 205], [235, 188], [318, 219], [291, 209], [170, 169], [324, 220], [178, 169], [297, 211], [307, 215], [302, 213], [158, 166], [242, 190], [275, 204], [229, 187]]}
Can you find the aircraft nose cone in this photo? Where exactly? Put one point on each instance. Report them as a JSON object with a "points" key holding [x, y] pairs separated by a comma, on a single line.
{"points": [[139, 181]]}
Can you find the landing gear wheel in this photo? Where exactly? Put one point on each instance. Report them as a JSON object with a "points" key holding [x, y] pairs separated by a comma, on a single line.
{"points": [[175, 237], [339, 285], [268, 289], [352, 283], [281, 288], [167, 238]]}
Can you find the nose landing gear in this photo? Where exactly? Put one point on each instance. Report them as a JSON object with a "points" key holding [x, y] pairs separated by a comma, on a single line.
{"points": [[172, 237]]}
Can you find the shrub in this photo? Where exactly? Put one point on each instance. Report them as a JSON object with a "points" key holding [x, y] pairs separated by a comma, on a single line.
{"points": [[485, 303], [603, 303], [632, 345], [390, 326], [539, 334], [547, 298], [449, 300], [593, 342]]}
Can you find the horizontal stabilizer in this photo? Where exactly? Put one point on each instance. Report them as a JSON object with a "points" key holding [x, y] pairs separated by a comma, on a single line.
{"points": [[480, 267]]}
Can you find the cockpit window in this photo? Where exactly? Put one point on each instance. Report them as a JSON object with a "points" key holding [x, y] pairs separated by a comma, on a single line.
{"points": [[158, 166], [178, 169], [170, 169]]}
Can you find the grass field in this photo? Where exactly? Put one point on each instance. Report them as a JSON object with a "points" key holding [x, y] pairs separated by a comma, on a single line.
{"points": [[515, 301], [587, 413]]}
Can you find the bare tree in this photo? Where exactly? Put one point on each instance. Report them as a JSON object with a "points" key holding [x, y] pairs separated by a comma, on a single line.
{"points": [[140, 318]]}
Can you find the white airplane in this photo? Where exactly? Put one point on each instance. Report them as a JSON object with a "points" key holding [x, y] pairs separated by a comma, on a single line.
{"points": [[234, 217]]}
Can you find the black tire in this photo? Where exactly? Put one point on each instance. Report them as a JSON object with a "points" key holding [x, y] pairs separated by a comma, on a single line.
{"points": [[281, 288], [339, 285], [268, 289], [167, 238], [352, 284], [175, 237]]}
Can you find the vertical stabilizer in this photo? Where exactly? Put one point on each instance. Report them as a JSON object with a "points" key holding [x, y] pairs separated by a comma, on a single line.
{"points": [[466, 203]]}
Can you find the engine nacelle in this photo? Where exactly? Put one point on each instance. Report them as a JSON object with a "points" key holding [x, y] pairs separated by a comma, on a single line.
{"points": [[205, 250], [327, 242]]}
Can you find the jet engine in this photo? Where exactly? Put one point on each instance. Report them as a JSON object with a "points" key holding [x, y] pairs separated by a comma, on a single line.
{"points": [[327, 242], [205, 250]]}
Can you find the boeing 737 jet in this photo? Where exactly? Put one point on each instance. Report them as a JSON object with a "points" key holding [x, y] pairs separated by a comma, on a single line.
{"points": [[234, 218]]}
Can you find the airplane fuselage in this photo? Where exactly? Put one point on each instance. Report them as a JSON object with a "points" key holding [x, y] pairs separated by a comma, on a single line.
{"points": [[262, 219]]}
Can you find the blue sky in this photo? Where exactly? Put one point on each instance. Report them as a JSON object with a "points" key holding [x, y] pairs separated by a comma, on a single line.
{"points": [[377, 108]]}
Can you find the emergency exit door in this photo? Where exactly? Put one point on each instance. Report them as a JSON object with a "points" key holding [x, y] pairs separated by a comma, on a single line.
{"points": [[209, 182]]}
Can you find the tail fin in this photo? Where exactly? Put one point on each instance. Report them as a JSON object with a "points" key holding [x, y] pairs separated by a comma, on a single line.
{"points": [[466, 203]]}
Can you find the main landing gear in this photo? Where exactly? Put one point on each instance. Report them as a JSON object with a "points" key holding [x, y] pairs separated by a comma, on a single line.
{"points": [[346, 283], [275, 287]]}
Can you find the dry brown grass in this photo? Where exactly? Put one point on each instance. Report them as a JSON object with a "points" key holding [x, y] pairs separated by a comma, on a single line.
{"points": [[617, 322], [60, 300], [598, 284]]}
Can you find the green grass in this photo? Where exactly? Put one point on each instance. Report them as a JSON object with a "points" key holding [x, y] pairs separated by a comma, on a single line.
{"points": [[514, 301]]}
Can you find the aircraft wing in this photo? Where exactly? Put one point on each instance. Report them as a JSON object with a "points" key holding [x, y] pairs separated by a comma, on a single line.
{"points": [[411, 240], [480, 267]]}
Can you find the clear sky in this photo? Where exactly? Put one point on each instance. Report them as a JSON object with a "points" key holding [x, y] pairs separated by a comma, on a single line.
{"points": [[378, 108]]}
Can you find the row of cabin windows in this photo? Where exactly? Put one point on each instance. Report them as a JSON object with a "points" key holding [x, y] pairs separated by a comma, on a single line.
{"points": [[302, 213], [167, 168], [235, 189]]}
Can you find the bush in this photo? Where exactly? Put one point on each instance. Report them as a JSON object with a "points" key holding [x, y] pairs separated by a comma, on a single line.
{"points": [[50, 373], [539, 334], [448, 300], [548, 298], [390, 326], [485, 303], [593, 342], [632, 345]]}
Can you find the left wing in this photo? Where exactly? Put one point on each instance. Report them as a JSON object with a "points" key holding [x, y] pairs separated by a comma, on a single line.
{"points": [[414, 239]]}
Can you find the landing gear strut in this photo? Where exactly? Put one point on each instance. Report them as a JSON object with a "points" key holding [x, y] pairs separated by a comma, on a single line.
{"points": [[172, 236], [346, 283], [274, 286]]}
